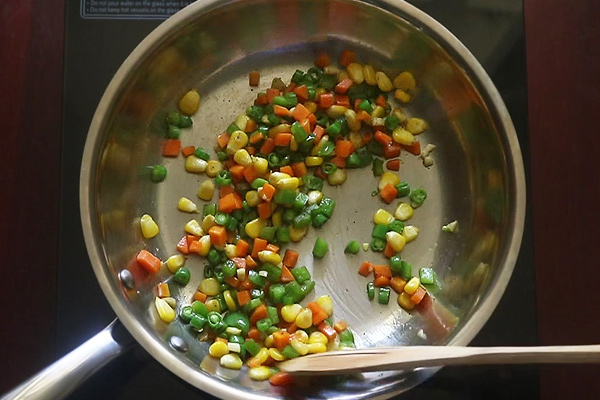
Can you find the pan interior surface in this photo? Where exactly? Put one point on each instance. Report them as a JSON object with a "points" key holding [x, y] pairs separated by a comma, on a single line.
{"points": [[476, 179]]}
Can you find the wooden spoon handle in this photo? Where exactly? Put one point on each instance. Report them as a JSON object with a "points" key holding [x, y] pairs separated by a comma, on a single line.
{"points": [[409, 357]]}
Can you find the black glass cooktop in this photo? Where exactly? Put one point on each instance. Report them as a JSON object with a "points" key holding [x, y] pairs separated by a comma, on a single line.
{"points": [[100, 35]]}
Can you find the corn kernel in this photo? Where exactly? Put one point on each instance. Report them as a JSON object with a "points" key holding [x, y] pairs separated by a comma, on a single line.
{"points": [[209, 286], [290, 312], [410, 233], [383, 82], [336, 111], [190, 102], [281, 128], [288, 183], [206, 190], [238, 140], [242, 157], [314, 197], [369, 75], [395, 240], [378, 112], [269, 257], [301, 348], [241, 121], [318, 337], [412, 285], [311, 106], [353, 123], [229, 300], [252, 198], [301, 336], [261, 165], [194, 228], [213, 167], [319, 146], [382, 217], [234, 347], [402, 96], [218, 349], [165, 312], [296, 234], [230, 251], [213, 305], [312, 161], [175, 262], [195, 165], [294, 144], [186, 205], [231, 361], [262, 355], [337, 177], [329, 70], [230, 330], [355, 72], [398, 113], [405, 81], [416, 126], [404, 212], [208, 222], [342, 75], [326, 304], [269, 341], [253, 227], [304, 319], [405, 302], [276, 219], [388, 177], [241, 274], [316, 348], [148, 226], [171, 302], [275, 177], [356, 139], [276, 354], [204, 245], [402, 136], [259, 373]]}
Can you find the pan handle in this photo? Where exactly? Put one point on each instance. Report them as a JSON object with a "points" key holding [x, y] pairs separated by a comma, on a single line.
{"points": [[60, 378]]}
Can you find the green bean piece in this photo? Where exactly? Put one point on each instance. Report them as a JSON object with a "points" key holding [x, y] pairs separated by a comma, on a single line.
{"points": [[301, 274], [229, 268], [263, 324], [427, 276], [272, 314], [365, 105], [185, 121], [222, 156], [274, 160], [213, 257], [327, 82], [214, 318], [238, 320], [273, 272], [347, 336], [283, 234], [223, 178], [396, 265], [268, 233], [391, 122], [379, 231], [209, 271], [320, 248], [199, 308], [297, 77], [302, 220], [326, 149], [289, 215], [328, 167], [299, 133], [251, 347], [222, 218], [209, 209], [353, 247], [300, 201], [353, 161], [377, 167], [418, 196], [406, 273], [201, 153], [294, 290], [173, 118], [384, 295], [276, 292], [377, 244], [326, 206], [251, 305], [371, 290], [258, 183], [173, 132], [186, 314], [396, 226], [312, 182], [319, 220], [403, 189], [286, 197], [290, 352], [232, 128], [257, 293], [182, 276], [198, 321], [158, 173], [255, 113], [307, 287]]}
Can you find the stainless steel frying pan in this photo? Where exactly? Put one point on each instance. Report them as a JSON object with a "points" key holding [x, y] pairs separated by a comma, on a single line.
{"points": [[477, 179]]}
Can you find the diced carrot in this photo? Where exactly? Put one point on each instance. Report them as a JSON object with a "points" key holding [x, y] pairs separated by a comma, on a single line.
{"points": [[239, 262], [305, 124], [326, 100], [418, 295], [283, 139], [256, 137], [281, 379], [254, 78], [414, 149], [250, 126], [339, 161], [320, 174], [393, 165], [381, 281], [300, 112], [254, 362], [250, 263], [388, 251], [243, 297], [292, 327], [245, 285], [318, 314], [356, 104], [271, 93], [237, 172], [382, 270], [148, 261], [290, 88], [328, 331], [228, 163], [322, 60], [195, 246], [287, 170], [261, 100], [268, 191], [254, 334], [343, 86], [221, 339], [362, 115], [188, 151], [230, 203], [388, 193], [190, 239], [223, 139], [342, 100], [343, 148], [301, 92], [182, 246], [340, 326], [347, 57], [319, 131], [264, 210], [290, 258], [163, 290], [382, 138], [259, 313], [397, 284], [380, 101], [241, 248], [225, 190], [299, 169], [232, 281], [250, 173], [218, 235], [198, 295], [367, 138], [281, 111], [312, 121], [259, 245], [281, 339], [286, 275], [171, 148], [272, 247], [391, 150]]}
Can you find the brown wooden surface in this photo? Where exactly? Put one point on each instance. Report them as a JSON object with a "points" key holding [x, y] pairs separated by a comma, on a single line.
{"points": [[563, 60], [31, 57]]}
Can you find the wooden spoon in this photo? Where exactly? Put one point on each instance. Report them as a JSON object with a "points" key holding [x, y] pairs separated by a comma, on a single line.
{"points": [[409, 357]]}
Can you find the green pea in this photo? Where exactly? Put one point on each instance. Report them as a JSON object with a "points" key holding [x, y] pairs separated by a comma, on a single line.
{"points": [[182, 276], [158, 173]]}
